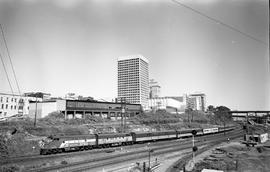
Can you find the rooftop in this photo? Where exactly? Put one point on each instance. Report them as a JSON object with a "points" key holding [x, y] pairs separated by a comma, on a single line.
{"points": [[133, 57]]}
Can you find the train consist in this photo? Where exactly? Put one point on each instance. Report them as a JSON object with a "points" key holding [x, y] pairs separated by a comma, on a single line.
{"points": [[59, 144]]}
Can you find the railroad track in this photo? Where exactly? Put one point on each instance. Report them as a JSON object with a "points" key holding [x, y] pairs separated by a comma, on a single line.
{"points": [[133, 156], [31, 158]]}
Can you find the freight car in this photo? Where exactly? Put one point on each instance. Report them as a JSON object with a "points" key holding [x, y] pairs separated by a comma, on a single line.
{"points": [[58, 144]]}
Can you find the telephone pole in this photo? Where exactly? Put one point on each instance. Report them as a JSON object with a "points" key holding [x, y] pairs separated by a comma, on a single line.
{"points": [[123, 114]]}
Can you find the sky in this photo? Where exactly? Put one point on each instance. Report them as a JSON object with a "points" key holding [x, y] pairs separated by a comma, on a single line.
{"points": [[62, 46]]}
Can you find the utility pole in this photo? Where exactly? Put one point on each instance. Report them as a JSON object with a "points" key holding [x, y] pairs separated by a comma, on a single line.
{"points": [[149, 157], [123, 114], [247, 129], [35, 112], [149, 154], [193, 147], [121, 123]]}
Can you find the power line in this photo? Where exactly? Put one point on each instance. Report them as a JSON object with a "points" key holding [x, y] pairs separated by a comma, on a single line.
{"points": [[221, 23], [2, 31], [6, 74]]}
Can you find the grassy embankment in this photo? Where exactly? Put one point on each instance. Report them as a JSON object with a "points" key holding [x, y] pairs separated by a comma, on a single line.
{"points": [[20, 137]]}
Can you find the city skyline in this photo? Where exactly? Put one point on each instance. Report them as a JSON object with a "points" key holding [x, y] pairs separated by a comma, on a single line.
{"points": [[72, 46]]}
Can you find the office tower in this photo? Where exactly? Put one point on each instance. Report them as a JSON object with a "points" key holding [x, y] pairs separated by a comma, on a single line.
{"points": [[196, 101], [154, 89], [133, 82]]}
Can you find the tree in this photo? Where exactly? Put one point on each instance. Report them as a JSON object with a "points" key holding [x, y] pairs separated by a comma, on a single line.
{"points": [[223, 115], [211, 108], [222, 112]]}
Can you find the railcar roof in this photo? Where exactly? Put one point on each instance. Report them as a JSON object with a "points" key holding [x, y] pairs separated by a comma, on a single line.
{"points": [[73, 136], [114, 134], [155, 131]]}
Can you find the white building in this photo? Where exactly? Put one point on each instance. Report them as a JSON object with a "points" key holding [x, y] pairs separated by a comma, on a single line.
{"points": [[196, 101], [42, 109], [154, 89], [170, 104], [13, 104], [133, 79], [71, 96]]}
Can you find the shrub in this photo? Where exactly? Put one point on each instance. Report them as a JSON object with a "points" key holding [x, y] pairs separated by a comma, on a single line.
{"points": [[10, 168], [64, 162], [75, 130], [3, 147]]}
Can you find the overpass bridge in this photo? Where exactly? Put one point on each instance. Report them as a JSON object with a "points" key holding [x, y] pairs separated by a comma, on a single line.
{"points": [[246, 115]]}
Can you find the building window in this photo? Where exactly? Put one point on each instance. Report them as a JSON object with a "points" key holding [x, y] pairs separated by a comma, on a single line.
{"points": [[14, 106], [15, 100], [6, 106], [11, 107], [1, 99], [2, 106], [7, 99], [11, 99]]}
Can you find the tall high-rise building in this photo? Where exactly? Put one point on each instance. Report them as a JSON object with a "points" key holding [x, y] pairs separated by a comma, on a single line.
{"points": [[154, 89], [133, 79], [196, 101]]}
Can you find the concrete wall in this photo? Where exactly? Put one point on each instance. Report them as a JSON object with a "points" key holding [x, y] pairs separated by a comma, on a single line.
{"points": [[43, 109], [61, 105], [48, 108], [32, 110]]}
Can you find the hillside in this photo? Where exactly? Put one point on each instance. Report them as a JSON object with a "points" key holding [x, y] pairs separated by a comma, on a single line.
{"points": [[21, 137]]}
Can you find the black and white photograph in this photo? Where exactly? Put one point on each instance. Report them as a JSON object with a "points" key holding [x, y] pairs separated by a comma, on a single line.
{"points": [[134, 86]]}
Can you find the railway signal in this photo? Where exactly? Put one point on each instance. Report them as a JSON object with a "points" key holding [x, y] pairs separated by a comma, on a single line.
{"points": [[194, 132], [150, 151], [194, 148]]}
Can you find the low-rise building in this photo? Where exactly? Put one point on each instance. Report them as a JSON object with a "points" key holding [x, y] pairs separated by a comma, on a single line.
{"points": [[82, 108], [14, 104], [170, 104]]}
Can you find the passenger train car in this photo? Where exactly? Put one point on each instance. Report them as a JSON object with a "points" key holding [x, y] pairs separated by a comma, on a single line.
{"points": [[58, 144]]}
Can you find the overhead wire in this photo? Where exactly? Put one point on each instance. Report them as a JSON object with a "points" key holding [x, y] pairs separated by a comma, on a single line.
{"points": [[5, 42], [6, 74], [220, 22]]}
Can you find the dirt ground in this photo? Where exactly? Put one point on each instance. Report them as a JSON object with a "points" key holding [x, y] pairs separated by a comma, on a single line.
{"points": [[233, 157]]}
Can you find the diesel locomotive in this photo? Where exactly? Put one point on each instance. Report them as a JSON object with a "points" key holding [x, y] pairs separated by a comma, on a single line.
{"points": [[58, 144]]}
